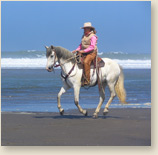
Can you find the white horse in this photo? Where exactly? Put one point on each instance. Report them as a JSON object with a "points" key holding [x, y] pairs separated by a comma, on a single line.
{"points": [[111, 74]]}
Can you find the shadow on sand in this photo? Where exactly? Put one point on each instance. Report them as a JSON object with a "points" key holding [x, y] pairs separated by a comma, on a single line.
{"points": [[75, 117]]}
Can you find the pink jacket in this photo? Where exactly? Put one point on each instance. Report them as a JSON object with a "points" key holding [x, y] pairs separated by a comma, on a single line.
{"points": [[91, 46]]}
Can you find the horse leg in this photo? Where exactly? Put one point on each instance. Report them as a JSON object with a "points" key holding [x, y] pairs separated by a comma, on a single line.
{"points": [[102, 98], [62, 90], [113, 94], [76, 97]]}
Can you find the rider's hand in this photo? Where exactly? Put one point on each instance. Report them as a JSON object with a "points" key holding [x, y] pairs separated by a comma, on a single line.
{"points": [[74, 51], [82, 51]]}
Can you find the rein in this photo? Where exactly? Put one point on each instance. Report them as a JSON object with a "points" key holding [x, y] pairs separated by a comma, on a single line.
{"points": [[64, 62], [60, 64]]}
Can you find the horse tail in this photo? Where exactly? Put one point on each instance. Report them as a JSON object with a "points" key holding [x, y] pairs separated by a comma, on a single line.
{"points": [[119, 87]]}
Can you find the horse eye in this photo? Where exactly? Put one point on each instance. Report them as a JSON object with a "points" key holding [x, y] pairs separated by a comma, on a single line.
{"points": [[52, 56]]}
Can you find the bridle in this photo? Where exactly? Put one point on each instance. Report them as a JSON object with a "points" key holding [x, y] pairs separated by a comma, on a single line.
{"points": [[60, 64], [55, 55]]}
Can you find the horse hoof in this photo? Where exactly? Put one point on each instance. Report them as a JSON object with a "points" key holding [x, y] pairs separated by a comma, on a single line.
{"points": [[85, 112], [62, 112], [105, 112], [95, 116]]}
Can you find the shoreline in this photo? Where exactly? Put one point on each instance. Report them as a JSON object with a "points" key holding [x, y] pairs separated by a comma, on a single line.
{"points": [[126, 106], [70, 110], [121, 127]]}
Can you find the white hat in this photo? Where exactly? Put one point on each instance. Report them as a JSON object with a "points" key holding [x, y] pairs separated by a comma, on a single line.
{"points": [[88, 24]]}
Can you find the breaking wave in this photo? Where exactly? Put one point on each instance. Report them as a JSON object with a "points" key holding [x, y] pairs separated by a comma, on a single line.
{"points": [[41, 63]]}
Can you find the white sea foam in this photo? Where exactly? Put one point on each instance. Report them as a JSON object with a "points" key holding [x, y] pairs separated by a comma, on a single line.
{"points": [[31, 51], [138, 64], [41, 63], [132, 105], [23, 63], [100, 53]]}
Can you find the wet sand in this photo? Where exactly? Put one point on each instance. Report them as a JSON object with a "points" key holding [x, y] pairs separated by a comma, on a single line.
{"points": [[121, 127]]}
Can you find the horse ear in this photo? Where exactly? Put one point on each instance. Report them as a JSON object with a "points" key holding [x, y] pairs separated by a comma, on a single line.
{"points": [[46, 47], [52, 47]]}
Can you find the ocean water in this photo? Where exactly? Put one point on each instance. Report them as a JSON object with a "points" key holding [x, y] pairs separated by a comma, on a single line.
{"points": [[27, 87], [37, 59]]}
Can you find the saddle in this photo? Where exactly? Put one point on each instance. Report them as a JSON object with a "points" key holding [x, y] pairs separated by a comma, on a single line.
{"points": [[97, 63]]}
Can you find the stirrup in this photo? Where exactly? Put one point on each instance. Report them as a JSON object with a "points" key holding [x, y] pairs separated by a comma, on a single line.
{"points": [[86, 82]]}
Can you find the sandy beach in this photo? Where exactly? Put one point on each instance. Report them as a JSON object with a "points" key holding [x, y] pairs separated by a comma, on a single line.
{"points": [[121, 127]]}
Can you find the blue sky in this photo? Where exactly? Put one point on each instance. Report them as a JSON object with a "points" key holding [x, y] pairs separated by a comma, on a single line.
{"points": [[121, 26]]}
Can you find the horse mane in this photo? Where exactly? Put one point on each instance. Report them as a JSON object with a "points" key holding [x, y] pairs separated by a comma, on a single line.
{"points": [[64, 54]]}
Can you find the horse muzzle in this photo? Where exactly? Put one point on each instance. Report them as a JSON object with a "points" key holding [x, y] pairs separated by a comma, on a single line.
{"points": [[49, 69]]}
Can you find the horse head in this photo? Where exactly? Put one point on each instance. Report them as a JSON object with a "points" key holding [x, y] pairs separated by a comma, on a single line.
{"points": [[51, 58]]}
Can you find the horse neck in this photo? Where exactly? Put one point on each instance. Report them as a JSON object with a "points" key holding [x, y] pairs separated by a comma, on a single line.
{"points": [[65, 66]]}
